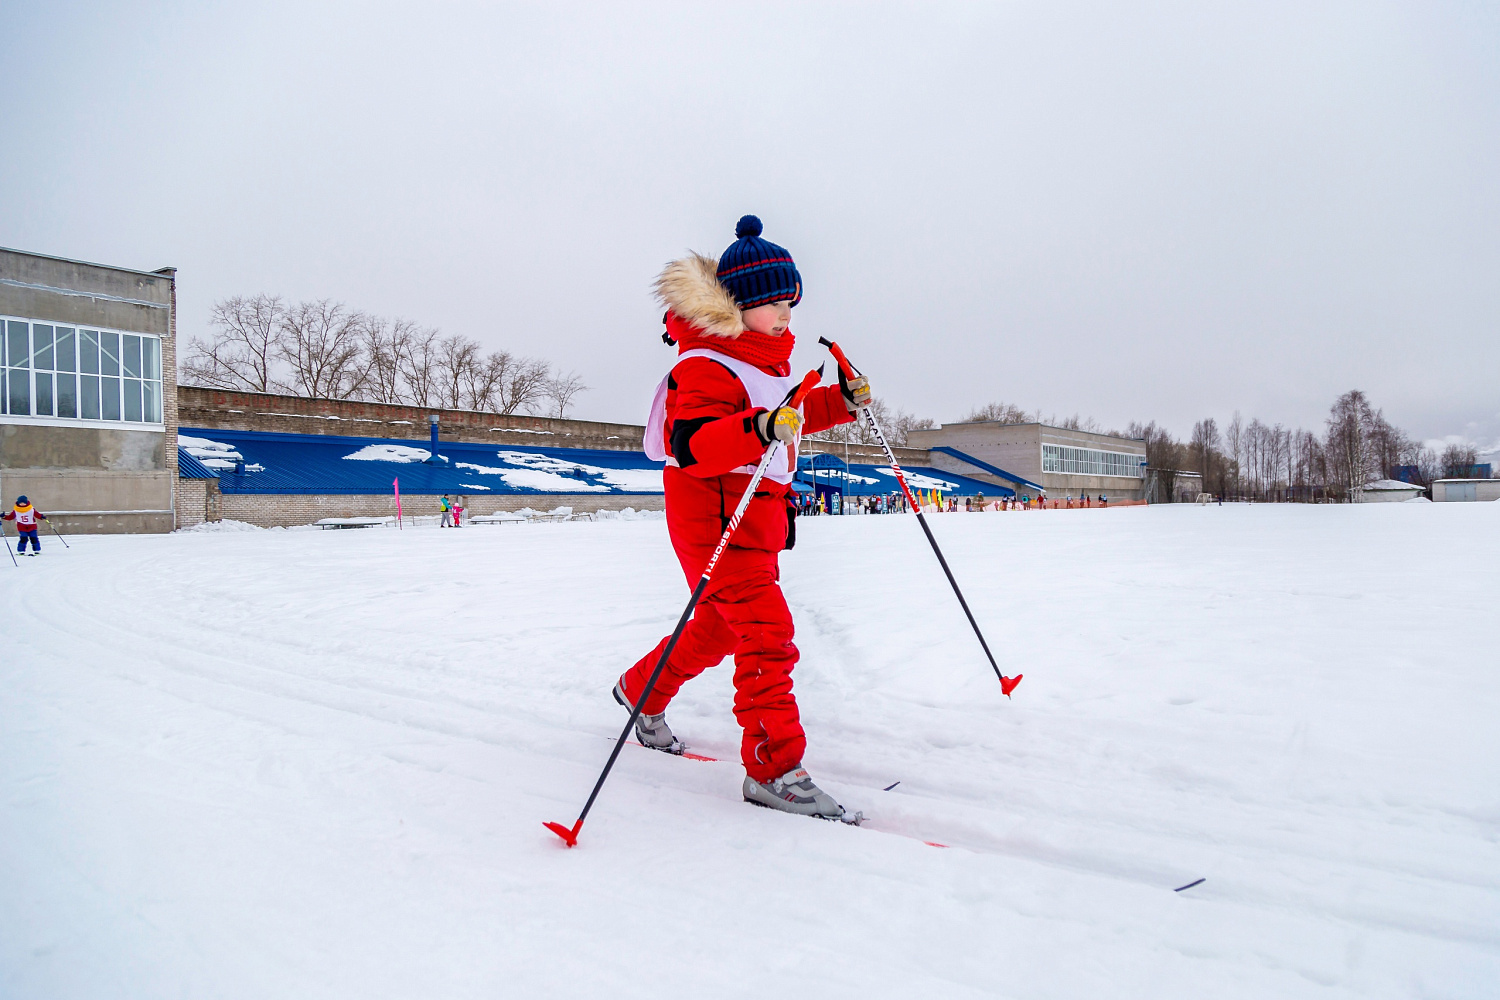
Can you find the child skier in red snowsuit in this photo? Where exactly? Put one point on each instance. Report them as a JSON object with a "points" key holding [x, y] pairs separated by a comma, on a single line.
{"points": [[715, 414], [25, 517]]}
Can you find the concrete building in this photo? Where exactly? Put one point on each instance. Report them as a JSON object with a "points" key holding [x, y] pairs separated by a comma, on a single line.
{"points": [[1450, 490], [1387, 491], [88, 411], [1027, 456]]}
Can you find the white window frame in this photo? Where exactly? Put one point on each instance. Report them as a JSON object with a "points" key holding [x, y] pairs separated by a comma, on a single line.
{"points": [[1073, 460], [44, 420]]}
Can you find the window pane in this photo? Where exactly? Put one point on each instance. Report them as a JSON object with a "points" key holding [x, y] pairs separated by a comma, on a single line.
{"points": [[133, 400], [88, 355], [151, 405], [41, 346], [44, 394], [18, 351], [20, 391], [151, 357], [109, 354], [88, 396], [64, 359], [109, 392], [67, 395], [132, 356]]}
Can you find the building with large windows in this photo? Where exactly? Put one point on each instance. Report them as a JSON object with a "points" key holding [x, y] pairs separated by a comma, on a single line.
{"points": [[1036, 456], [88, 392]]}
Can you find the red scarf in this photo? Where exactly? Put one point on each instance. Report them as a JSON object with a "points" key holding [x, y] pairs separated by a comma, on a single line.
{"points": [[759, 349]]}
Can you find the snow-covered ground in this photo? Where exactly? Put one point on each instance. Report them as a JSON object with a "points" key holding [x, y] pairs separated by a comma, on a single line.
{"points": [[316, 764]]}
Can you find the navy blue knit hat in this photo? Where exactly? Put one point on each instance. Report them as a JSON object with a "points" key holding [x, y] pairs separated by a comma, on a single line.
{"points": [[757, 271]]}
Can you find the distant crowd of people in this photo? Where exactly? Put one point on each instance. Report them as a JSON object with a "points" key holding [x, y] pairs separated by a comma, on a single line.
{"points": [[811, 505]]}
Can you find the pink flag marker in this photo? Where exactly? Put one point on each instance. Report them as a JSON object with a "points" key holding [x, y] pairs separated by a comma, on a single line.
{"points": [[397, 484]]}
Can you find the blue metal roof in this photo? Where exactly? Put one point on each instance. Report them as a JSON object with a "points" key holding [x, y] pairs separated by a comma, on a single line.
{"points": [[826, 469], [993, 470], [189, 467], [324, 464]]}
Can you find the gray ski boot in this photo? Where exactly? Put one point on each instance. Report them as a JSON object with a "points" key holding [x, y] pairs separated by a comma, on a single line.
{"points": [[794, 792], [652, 730]]}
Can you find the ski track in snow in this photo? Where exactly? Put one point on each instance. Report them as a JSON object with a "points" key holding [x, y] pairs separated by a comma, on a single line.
{"points": [[317, 763]]}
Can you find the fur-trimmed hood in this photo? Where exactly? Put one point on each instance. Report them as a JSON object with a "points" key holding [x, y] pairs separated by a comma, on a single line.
{"points": [[690, 287]]}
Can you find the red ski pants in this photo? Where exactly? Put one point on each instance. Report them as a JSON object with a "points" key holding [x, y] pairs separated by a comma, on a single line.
{"points": [[743, 613]]}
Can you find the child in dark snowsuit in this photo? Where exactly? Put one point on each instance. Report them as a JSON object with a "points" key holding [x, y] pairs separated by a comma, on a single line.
{"points": [[714, 415], [25, 517]]}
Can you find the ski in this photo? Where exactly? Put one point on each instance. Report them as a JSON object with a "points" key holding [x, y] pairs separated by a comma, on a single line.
{"points": [[858, 818], [847, 818], [683, 753]]}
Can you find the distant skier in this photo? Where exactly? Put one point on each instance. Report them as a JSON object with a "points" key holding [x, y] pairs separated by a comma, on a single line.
{"points": [[714, 415], [458, 514], [446, 506], [25, 517]]}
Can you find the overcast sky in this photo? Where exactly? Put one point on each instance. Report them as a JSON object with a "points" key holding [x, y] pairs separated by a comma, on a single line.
{"points": [[1162, 213]]}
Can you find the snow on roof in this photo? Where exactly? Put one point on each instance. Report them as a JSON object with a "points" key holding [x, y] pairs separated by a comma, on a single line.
{"points": [[189, 467], [335, 464], [1391, 484]]}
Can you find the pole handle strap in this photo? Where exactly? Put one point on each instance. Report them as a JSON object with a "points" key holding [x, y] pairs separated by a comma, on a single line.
{"points": [[845, 365]]}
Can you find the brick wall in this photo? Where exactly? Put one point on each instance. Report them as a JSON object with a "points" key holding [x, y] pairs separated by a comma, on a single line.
{"points": [[191, 502], [223, 409], [169, 390], [270, 511], [197, 500]]}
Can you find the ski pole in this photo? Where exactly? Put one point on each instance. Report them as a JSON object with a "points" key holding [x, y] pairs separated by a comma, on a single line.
{"points": [[59, 534], [794, 398], [1007, 684], [6, 539]]}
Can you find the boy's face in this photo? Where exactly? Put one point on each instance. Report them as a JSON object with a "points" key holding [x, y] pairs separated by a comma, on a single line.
{"points": [[771, 319]]}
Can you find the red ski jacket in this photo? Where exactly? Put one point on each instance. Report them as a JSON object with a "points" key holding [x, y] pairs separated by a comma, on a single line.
{"points": [[710, 429], [25, 517]]}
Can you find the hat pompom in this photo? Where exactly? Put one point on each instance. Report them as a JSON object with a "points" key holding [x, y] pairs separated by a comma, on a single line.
{"points": [[748, 225]]}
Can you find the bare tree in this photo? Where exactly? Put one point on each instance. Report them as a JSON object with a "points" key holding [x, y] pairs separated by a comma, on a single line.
{"points": [[417, 367], [1000, 413], [1349, 424], [481, 386], [520, 383], [455, 367], [1458, 461], [1165, 457], [1311, 467], [245, 347], [1278, 454], [1252, 442], [895, 423], [1203, 453], [1388, 446], [1234, 441], [382, 346], [321, 345], [1281, 463], [1429, 466], [559, 393]]}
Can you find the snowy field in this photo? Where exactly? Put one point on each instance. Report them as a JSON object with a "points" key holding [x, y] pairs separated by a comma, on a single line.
{"points": [[316, 764]]}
